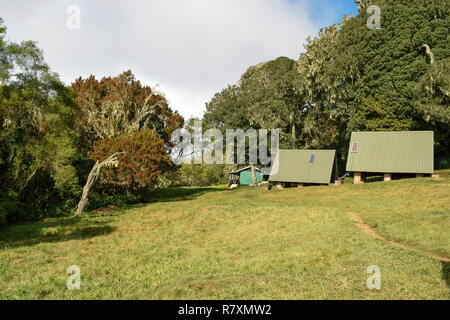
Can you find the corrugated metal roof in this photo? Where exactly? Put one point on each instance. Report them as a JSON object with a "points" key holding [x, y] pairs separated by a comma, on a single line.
{"points": [[391, 152], [303, 166]]}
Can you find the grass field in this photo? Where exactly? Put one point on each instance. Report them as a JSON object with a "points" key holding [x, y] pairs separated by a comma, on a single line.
{"points": [[211, 243]]}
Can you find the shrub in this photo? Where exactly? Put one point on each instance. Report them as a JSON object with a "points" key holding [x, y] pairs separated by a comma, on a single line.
{"points": [[200, 175], [98, 201]]}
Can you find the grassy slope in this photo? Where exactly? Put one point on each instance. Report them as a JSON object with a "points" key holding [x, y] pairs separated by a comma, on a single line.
{"points": [[289, 244]]}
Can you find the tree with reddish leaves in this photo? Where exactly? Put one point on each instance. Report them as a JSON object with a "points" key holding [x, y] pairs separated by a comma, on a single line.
{"points": [[115, 106], [143, 160]]}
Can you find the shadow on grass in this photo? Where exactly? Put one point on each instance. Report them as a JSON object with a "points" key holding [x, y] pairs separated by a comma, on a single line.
{"points": [[374, 179], [60, 230], [446, 273], [395, 176], [66, 229], [178, 194]]}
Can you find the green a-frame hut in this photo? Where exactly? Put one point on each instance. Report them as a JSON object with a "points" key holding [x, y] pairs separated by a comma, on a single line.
{"points": [[406, 152], [303, 167]]}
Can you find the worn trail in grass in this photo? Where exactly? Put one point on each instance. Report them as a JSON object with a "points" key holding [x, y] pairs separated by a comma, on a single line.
{"points": [[359, 222], [247, 244]]}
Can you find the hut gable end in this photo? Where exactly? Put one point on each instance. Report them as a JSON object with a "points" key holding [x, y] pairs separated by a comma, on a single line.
{"points": [[391, 152]]}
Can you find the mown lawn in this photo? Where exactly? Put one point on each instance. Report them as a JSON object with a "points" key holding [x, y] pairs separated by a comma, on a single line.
{"points": [[210, 243]]}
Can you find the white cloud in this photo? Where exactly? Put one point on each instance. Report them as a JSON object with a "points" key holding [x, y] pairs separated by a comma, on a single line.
{"points": [[192, 48]]}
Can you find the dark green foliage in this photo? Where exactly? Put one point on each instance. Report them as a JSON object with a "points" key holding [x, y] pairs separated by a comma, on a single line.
{"points": [[200, 175], [10, 207], [374, 115], [360, 68], [99, 201], [433, 94], [37, 141]]}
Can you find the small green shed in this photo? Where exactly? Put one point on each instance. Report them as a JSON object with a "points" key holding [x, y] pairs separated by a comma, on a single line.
{"points": [[303, 166], [391, 152], [244, 176]]}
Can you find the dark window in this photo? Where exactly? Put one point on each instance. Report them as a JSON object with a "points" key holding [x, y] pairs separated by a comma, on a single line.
{"points": [[312, 158], [355, 147]]}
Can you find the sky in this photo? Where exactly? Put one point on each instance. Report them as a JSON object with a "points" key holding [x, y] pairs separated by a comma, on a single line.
{"points": [[188, 49]]}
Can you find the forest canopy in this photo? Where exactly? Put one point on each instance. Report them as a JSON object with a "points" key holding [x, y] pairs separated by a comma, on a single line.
{"points": [[352, 78]]}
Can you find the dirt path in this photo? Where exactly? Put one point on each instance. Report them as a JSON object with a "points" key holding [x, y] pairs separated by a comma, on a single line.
{"points": [[359, 222]]}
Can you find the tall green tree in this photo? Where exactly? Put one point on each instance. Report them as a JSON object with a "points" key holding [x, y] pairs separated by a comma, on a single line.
{"points": [[324, 89], [37, 142], [433, 96], [264, 97], [356, 78]]}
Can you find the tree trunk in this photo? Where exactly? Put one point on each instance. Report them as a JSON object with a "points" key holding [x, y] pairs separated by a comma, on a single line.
{"points": [[95, 172], [293, 131], [28, 179], [92, 178], [293, 134], [254, 181]]}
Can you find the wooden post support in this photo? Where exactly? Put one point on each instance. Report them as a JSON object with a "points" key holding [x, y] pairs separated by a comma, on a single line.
{"points": [[387, 176], [358, 178], [280, 186], [338, 183], [419, 175], [435, 176], [300, 185]]}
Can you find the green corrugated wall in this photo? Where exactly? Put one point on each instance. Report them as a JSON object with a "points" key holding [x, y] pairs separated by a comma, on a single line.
{"points": [[392, 152], [295, 166], [245, 178]]}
